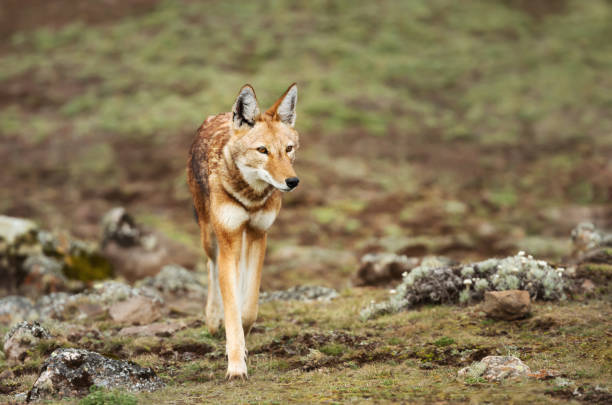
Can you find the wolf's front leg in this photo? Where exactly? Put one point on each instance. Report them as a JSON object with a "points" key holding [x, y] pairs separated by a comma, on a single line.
{"points": [[229, 254]]}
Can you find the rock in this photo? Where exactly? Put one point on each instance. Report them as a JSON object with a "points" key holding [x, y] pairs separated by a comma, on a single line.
{"points": [[120, 227], [35, 262], [13, 229], [161, 329], [17, 240], [15, 308], [180, 288], [110, 292], [507, 305], [53, 306], [43, 275], [136, 310], [93, 303], [21, 338], [86, 262], [383, 268], [300, 293], [175, 281], [585, 237], [496, 368], [435, 282], [70, 372], [135, 252]]}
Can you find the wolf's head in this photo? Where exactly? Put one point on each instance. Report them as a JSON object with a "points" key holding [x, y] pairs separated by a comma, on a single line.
{"points": [[263, 146]]}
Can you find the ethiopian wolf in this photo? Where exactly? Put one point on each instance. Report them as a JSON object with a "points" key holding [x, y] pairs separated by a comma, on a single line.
{"points": [[238, 165]]}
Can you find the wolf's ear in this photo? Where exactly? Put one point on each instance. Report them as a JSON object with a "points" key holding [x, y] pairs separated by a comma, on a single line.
{"points": [[284, 108], [245, 110]]}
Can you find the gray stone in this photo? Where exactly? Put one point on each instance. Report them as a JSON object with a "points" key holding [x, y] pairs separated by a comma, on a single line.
{"points": [[120, 227], [496, 368], [137, 310], [70, 373], [12, 229], [383, 268], [16, 308], [42, 275], [175, 281], [21, 338]]}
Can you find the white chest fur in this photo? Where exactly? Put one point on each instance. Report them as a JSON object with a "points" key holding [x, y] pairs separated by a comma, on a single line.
{"points": [[262, 220], [233, 216]]}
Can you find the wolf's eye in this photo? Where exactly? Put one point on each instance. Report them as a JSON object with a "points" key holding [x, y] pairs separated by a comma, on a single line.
{"points": [[262, 149], [289, 148]]}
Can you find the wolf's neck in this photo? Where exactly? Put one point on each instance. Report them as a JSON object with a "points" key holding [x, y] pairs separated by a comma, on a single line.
{"points": [[244, 187]]}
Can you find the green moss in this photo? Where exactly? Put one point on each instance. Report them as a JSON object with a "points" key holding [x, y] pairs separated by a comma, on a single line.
{"points": [[444, 341], [87, 267], [333, 349], [99, 396]]}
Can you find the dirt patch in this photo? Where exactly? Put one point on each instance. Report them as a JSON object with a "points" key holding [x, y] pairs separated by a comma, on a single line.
{"points": [[193, 347], [539, 9], [300, 345], [15, 16], [8, 388]]}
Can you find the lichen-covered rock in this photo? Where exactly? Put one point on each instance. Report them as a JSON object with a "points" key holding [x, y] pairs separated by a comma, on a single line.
{"points": [[135, 252], [181, 289], [507, 305], [120, 227], [85, 262], [592, 255], [496, 368], [17, 241], [431, 282], [70, 373], [43, 275], [585, 237], [383, 268], [13, 229], [300, 293], [21, 338], [92, 303], [175, 281], [35, 262], [15, 308]]}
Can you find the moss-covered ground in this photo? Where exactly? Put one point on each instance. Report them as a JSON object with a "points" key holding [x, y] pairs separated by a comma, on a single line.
{"points": [[321, 353]]}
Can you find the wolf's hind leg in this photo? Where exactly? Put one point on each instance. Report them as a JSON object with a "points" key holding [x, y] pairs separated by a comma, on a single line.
{"points": [[214, 302], [255, 252]]}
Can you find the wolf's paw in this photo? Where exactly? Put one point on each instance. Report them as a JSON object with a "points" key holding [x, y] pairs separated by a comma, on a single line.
{"points": [[236, 370], [214, 323]]}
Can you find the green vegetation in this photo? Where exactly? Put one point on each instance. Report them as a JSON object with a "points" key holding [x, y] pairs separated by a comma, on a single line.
{"points": [[99, 396], [409, 356]]}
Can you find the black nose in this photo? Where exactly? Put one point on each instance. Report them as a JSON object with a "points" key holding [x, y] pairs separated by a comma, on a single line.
{"points": [[292, 182]]}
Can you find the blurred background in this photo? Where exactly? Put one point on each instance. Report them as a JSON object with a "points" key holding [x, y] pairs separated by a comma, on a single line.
{"points": [[467, 129]]}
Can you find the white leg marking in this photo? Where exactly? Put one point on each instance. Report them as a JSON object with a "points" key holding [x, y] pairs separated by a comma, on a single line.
{"points": [[242, 272], [254, 253]]}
